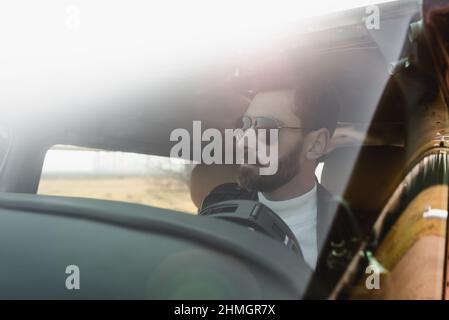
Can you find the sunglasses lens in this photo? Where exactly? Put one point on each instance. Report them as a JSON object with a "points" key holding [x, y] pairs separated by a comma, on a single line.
{"points": [[265, 123], [261, 123], [246, 123]]}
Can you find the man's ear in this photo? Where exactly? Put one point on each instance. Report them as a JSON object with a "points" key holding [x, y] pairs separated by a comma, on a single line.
{"points": [[318, 142]]}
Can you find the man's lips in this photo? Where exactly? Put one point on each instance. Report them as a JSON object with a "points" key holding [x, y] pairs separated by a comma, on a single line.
{"points": [[247, 165], [257, 165]]}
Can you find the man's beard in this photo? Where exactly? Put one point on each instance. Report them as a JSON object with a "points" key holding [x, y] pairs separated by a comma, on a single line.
{"points": [[288, 167]]}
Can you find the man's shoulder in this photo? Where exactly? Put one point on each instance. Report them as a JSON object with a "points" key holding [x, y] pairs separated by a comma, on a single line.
{"points": [[228, 191], [323, 195], [233, 191]]}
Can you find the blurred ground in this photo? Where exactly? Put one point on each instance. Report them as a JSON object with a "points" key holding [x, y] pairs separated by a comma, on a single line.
{"points": [[164, 192]]}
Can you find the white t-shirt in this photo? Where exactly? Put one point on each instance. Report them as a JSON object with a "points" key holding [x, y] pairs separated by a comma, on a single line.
{"points": [[300, 214]]}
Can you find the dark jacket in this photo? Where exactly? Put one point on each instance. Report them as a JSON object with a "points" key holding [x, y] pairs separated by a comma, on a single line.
{"points": [[337, 234]]}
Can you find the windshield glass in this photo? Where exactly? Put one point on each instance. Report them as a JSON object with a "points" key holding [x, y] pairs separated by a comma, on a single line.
{"points": [[330, 114], [152, 180]]}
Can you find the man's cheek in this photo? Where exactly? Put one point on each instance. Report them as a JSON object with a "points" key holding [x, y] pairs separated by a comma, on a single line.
{"points": [[270, 157]]}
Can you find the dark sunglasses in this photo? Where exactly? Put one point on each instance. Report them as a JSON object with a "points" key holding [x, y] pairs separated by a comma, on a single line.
{"points": [[266, 123]]}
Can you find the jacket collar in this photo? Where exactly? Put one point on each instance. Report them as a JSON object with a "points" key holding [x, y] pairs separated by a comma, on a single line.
{"points": [[326, 210]]}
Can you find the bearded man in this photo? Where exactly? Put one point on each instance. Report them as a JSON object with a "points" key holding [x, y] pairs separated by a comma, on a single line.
{"points": [[305, 120]]}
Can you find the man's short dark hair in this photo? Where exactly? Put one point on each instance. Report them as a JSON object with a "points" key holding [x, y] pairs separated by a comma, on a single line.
{"points": [[316, 102]]}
